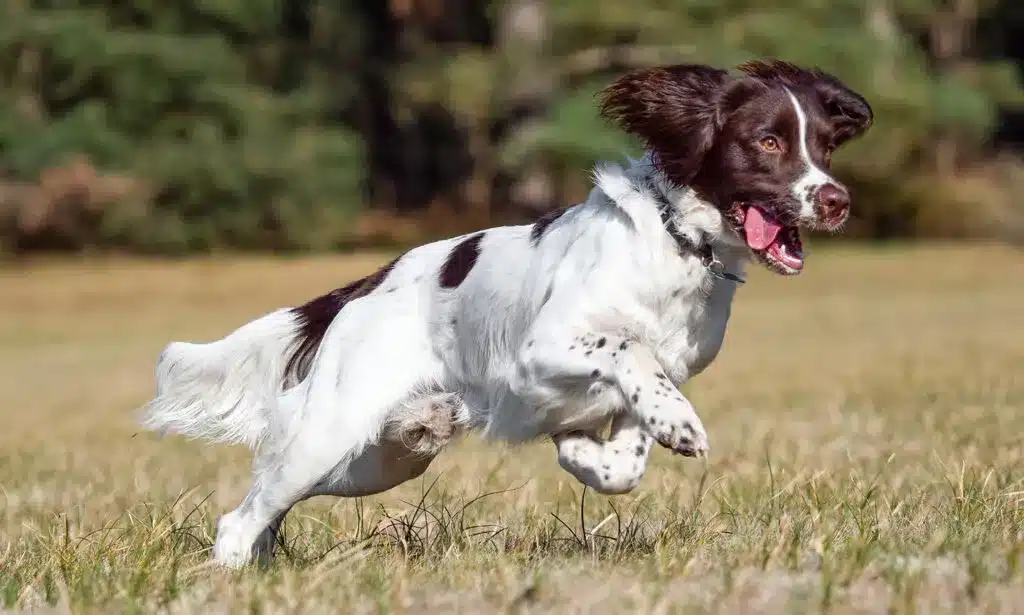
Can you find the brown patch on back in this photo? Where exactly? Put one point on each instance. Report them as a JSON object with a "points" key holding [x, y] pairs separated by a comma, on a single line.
{"points": [[316, 316], [460, 261], [541, 225]]}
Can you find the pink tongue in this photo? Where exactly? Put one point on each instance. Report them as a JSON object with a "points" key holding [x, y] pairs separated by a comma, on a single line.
{"points": [[761, 229]]}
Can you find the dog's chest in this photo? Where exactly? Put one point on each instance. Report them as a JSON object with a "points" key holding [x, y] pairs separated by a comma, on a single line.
{"points": [[692, 331]]}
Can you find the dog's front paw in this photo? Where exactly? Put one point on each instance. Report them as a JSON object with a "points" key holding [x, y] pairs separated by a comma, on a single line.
{"points": [[687, 439], [681, 432]]}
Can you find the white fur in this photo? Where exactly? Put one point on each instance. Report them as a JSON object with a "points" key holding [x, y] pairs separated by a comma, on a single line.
{"points": [[224, 391], [806, 187], [603, 319], [611, 467]]}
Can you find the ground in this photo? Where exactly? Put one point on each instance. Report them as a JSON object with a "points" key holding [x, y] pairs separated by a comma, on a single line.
{"points": [[865, 420]]}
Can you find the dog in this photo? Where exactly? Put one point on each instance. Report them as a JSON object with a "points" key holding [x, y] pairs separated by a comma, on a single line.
{"points": [[592, 314]]}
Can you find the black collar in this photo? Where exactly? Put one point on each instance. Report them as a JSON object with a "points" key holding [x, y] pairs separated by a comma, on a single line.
{"points": [[701, 250]]}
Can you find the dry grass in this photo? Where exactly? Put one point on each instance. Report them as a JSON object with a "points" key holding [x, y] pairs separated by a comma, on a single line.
{"points": [[865, 418]]}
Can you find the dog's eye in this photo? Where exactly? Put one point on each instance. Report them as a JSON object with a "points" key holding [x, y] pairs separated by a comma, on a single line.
{"points": [[770, 144]]}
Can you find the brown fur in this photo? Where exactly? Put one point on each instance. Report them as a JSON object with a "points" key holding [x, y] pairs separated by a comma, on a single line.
{"points": [[703, 126], [317, 315], [540, 226], [460, 261]]}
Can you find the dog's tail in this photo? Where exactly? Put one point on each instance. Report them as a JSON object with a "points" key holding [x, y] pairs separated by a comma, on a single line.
{"points": [[225, 391]]}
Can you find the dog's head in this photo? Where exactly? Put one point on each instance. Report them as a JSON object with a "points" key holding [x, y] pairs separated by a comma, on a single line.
{"points": [[756, 144]]}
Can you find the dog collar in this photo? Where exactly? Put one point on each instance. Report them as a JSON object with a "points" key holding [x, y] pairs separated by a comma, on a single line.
{"points": [[715, 267], [701, 250]]}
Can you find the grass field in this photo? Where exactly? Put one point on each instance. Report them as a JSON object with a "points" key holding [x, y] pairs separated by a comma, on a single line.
{"points": [[866, 423]]}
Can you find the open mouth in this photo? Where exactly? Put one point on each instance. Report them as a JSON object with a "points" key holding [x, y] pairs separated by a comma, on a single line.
{"points": [[776, 244]]}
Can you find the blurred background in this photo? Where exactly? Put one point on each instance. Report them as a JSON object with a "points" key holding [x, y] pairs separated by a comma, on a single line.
{"points": [[866, 418], [194, 126]]}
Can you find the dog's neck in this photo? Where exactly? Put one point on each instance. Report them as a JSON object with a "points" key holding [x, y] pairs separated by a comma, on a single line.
{"points": [[694, 224]]}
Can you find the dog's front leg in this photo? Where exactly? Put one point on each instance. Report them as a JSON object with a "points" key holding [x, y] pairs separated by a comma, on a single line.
{"points": [[552, 370], [611, 467]]}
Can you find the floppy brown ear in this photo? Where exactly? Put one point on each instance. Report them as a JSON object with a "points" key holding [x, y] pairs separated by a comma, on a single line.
{"points": [[849, 112], [673, 109]]}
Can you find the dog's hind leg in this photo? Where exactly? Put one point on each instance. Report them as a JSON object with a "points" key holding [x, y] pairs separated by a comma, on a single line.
{"points": [[413, 436], [263, 548], [339, 418]]}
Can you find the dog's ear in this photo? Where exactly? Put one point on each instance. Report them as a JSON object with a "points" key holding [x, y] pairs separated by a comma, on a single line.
{"points": [[674, 110], [849, 112]]}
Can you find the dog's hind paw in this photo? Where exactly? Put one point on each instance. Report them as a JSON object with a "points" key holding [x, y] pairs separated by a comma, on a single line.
{"points": [[426, 425], [234, 546]]}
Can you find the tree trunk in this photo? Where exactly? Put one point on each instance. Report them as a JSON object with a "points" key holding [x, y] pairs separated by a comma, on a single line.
{"points": [[949, 39], [526, 85], [882, 24]]}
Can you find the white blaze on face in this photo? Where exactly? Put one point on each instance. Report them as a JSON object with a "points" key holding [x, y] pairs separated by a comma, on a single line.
{"points": [[806, 186]]}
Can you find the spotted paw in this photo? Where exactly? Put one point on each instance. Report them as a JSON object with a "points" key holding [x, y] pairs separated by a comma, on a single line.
{"points": [[686, 437]]}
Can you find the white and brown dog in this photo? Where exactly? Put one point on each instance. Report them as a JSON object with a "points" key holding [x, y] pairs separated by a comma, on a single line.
{"points": [[594, 313]]}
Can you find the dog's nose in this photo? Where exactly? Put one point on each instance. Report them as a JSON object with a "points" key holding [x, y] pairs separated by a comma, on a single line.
{"points": [[833, 200]]}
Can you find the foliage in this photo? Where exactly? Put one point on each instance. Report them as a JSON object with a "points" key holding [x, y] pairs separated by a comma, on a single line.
{"points": [[194, 101], [873, 46], [257, 124]]}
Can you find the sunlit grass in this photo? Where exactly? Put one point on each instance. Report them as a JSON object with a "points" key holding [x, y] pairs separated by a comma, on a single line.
{"points": [[865, 419]]}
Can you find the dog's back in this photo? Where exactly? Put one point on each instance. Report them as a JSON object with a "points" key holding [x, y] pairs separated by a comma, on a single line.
{"points": [[240, 389]]}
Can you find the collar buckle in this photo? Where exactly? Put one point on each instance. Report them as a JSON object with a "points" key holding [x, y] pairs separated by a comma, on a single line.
{"points": [[716, 268], [703, 250]]}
